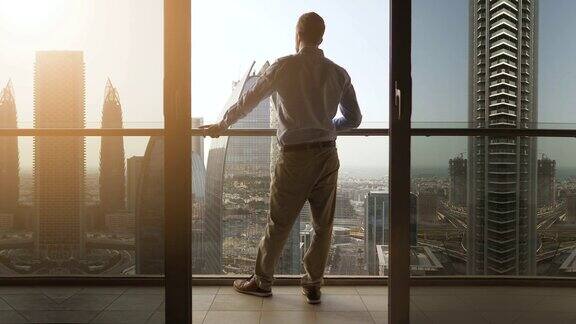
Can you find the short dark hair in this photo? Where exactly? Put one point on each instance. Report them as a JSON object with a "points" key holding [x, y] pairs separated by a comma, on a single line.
{"points": [[311, 28]]}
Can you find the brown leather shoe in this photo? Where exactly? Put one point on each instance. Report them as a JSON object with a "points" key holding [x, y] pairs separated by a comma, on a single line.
{"points": [[312, 294], [250, 287]]}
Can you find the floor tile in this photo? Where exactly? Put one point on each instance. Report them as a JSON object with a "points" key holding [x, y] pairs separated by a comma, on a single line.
{"points": [[198, 316], [156, 318], [237, 303], [418, 317], [12, 317], [4, 306], [339, 290], [343, 318], [145, 291], [103, 290], [19, 290], [87, 302], [205, 290], [286, 302], [30, 302], [341, 303], [136, 302], [500, 317], [372, 290], [441, 303], [59, 294], [503, 302], [232, 317], [276, 317], [455, 317], [556, 304], [202, 302], [123, 317], [546, 317], [375, 303], [287, 290], [59, 316], [228, 290], [380, 317]]}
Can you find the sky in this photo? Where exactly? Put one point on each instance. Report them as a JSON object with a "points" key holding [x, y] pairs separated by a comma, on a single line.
{"points": [[122, 40]]}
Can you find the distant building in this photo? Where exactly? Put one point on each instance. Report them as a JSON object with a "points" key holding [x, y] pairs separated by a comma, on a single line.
{"points": [[112, 167], [422, 261], [120, 222], [546, 182], [377, 225], [198, 141], [458, 195], [134, 167], [9, 162], [428, 204], [570, 207], [150, 208], [59, 162], [6, 222]]}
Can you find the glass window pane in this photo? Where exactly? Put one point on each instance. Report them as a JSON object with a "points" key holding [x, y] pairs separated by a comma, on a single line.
{"points": [[230, 216], [81, 206], [89, 44], [495, 206], [356, 38], [477, 64]]}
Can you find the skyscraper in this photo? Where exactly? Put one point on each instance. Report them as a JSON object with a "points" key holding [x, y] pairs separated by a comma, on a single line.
{"points": [[238, 192], [150, 208], [377, 225], [458, 195], [9, 162], [133, 169], [112, 168], [502, 174], [59, 162], [546, 182]]}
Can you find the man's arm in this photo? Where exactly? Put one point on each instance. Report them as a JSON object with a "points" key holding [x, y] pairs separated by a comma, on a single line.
{"points": [[351, 116], [263, 88]]}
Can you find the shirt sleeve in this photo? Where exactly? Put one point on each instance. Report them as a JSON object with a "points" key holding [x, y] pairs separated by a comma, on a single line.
{"points": [[264, 87], [351, 116]]}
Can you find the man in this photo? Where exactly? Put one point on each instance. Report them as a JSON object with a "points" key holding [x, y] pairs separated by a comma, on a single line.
{"points": [[309, 88]]}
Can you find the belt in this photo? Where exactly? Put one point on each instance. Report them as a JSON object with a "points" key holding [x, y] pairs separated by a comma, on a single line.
{"points": [[307, 146]]}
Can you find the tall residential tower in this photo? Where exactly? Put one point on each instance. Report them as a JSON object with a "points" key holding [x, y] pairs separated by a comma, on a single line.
{"points": [[59, 162], [502, 173]]}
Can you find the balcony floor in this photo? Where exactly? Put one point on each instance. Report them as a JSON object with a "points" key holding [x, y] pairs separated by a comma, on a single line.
{"points": [[340, 304]]}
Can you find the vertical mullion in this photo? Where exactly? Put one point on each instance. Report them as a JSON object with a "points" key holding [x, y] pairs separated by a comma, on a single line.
{"points": [[399, 174], [177, 161]]}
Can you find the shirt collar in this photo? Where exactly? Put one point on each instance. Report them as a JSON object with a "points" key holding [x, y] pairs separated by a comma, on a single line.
{"points": [[311, 50]]}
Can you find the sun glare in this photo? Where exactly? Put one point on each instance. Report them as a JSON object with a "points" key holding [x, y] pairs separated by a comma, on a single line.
{"points": [[29, 16]]}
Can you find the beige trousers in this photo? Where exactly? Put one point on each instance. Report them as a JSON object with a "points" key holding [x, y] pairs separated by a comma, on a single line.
{"points": [[300, 176]]}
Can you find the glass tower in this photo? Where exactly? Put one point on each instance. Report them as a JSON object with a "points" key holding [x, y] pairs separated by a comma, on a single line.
{"points": [[9, 162], [112, 167], [238, 192]]}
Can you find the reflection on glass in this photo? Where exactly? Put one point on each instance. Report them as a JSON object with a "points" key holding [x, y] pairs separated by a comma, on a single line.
{"points": [[444, 174]]}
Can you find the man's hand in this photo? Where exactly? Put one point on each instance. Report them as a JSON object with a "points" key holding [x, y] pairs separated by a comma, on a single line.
{"points": [[213, 130]]}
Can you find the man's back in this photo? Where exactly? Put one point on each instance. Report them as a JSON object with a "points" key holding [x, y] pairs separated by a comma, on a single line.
{"points": [[309, 88]]}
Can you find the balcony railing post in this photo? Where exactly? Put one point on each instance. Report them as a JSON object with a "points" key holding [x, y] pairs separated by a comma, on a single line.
{"points": [[177, 161]]}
